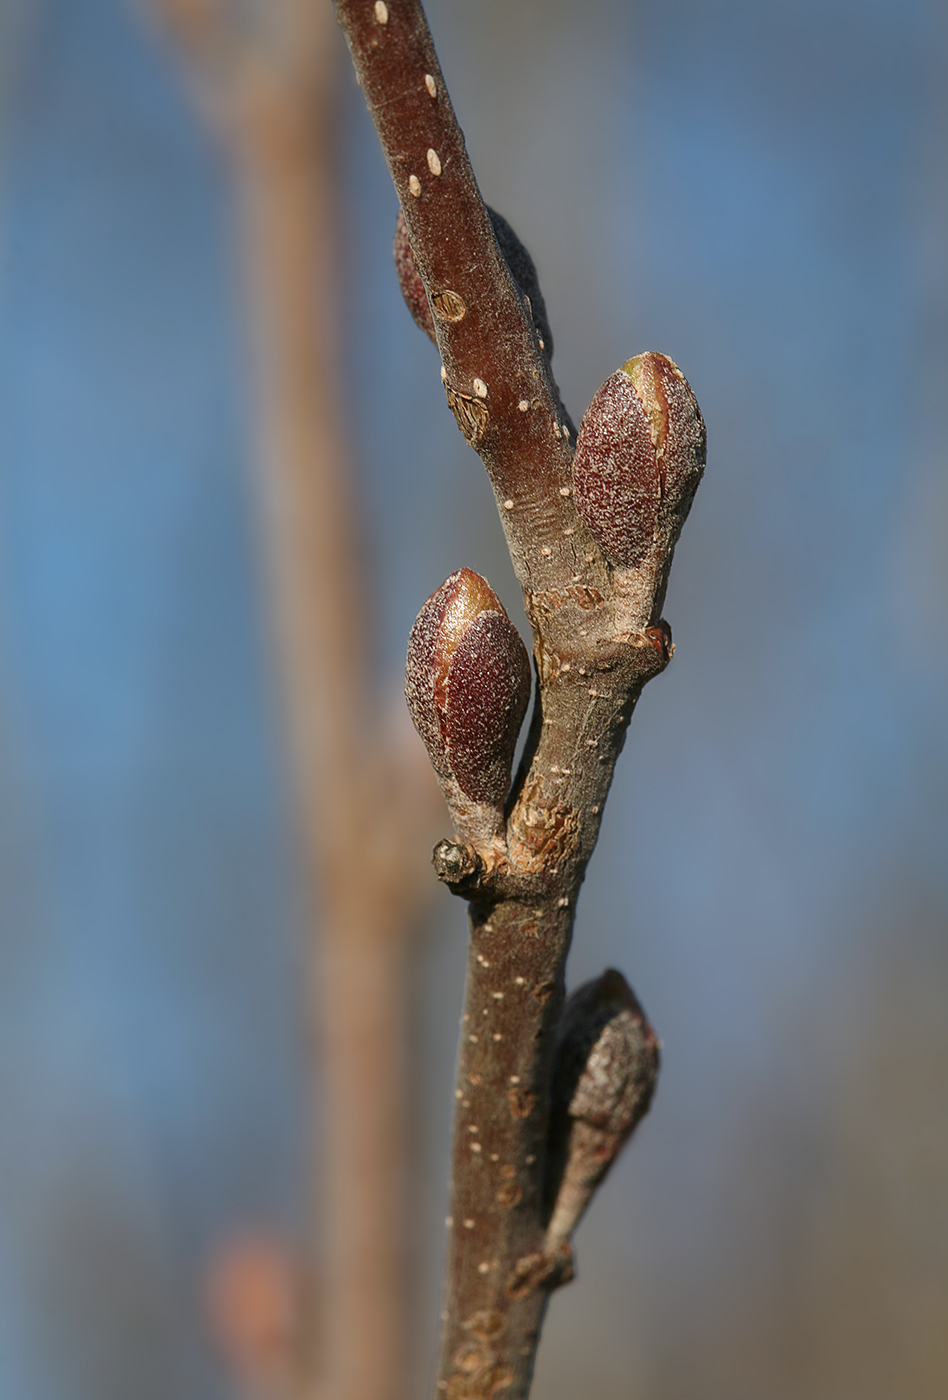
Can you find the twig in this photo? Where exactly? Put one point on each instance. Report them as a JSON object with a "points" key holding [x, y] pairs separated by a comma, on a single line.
{"points": [[591, 538]]}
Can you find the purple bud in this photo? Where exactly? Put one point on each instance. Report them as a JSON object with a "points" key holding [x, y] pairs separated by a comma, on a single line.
{"points": [[467, 682], [640, 453]]}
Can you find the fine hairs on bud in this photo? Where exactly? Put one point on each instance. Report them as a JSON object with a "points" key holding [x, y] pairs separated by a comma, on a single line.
{"points": [[467, 682], [605, 1072], [640, 453]]}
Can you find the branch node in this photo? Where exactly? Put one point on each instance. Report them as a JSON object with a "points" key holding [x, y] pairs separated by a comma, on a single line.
{"points": [[547, 1269], [458, 865]]}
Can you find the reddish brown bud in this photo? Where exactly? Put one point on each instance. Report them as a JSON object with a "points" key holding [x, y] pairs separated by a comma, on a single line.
{"points": [[660, 638], [467, 682], [409, 279], [449, 304], [640, 453], [606, 1068]]}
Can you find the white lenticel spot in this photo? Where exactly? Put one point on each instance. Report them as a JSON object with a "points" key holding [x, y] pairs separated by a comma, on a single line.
{"points": [[414, 184], [444, 374], [449, 1221], [497, 1035], [565, 490], [569, 530], [480, 388], [508, 505], [434, 162], [476, 1147], [431, 85], [563, 903], [381, 11], [515, 1078], [523, 405], [483, 1268], [469, 1224], [546, 551]]}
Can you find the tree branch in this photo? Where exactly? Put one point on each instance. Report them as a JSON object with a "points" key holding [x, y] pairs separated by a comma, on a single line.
{"points": [[591, 536]]}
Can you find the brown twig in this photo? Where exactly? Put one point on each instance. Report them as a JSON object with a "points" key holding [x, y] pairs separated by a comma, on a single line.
{"points": [[591, 539]]}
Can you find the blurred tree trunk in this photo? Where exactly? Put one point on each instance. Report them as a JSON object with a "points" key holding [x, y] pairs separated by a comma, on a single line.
{"points": [[268, 78]]}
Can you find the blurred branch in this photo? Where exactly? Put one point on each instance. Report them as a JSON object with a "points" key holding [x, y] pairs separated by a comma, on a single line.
{"points": [[251, 1299], [266, 74], [591, 536]]}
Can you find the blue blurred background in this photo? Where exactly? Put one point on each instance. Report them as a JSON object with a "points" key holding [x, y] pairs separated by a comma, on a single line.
{"points": [[755, 187]]}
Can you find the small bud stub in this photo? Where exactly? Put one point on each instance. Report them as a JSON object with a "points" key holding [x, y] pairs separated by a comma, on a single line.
{"points": [[467, 682], [640, 453]]}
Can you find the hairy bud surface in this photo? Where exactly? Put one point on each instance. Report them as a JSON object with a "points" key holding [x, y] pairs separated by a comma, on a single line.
{"points": [[467, 682], [640, 454]]}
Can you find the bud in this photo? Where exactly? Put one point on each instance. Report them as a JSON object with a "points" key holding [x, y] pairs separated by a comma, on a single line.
{"points": [[409, 279], [640, 453], [467, 682], [524, 273], [519, 261], [604, 1076]]}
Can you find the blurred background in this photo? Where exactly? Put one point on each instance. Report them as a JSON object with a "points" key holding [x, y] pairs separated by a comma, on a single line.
{"points": [[757, 188]]}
